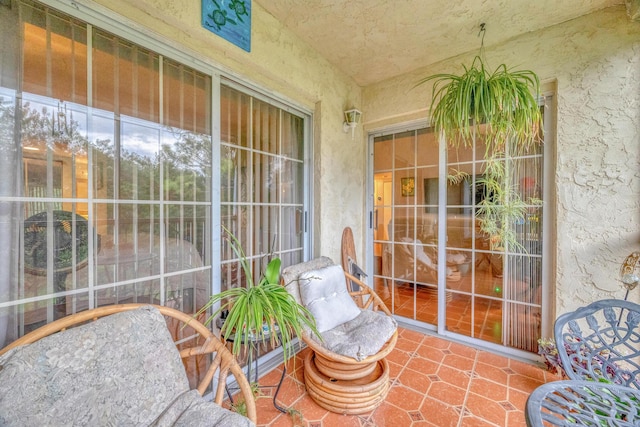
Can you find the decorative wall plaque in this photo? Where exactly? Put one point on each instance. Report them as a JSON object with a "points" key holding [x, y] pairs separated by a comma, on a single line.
{"points": [[230, 19]]}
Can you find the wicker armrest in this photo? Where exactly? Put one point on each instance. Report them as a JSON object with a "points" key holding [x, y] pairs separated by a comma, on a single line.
{"points": [[373, 302], [222, 364]]}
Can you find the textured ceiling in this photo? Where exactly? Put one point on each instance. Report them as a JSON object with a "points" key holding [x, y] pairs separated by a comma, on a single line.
{"points": [[372, 40]]}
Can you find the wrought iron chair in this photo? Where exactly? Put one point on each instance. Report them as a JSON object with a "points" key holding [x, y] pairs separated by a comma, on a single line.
{"points": [[601, 342], [584, 403], [599, 350]]}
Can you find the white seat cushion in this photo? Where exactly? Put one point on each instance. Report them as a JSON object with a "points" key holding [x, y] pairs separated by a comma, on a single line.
{"points": [[291, 274], [361, 337], [324, 294]]}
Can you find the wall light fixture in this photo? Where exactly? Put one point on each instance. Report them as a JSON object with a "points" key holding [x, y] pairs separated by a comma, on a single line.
{"points": [[351, 119]]}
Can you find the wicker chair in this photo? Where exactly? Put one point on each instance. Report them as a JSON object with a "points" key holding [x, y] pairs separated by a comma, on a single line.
{"points": [[182, 325], [348, 384], [601, 342]]}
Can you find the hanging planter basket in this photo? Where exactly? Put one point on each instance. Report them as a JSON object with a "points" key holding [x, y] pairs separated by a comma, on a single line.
{"points": [[502, 106], [504, 102]]}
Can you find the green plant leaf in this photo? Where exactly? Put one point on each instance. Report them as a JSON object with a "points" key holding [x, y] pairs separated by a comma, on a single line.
{"points": [[265, 313], [272, 272], [505, 103]]}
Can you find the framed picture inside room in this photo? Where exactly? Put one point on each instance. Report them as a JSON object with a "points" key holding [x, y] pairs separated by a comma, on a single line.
{"points": [[408, 186]]}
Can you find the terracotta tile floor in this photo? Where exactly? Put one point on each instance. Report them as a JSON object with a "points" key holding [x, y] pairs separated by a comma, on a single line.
{"points": [[435, 382]]}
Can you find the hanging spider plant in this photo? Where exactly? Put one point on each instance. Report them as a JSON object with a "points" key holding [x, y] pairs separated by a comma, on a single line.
{"points": [[263, 312], [504, 101], [504, 104]]}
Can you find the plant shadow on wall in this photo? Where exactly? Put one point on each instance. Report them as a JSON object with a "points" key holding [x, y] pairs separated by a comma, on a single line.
{"points": [[499, 108]]}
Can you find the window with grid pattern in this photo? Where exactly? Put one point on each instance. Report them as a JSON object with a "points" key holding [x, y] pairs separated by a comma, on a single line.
{"points": [[113, 201]]}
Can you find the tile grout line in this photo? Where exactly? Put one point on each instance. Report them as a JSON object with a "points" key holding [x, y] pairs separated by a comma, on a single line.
{"points": [[424, 395], [402, 369], [468, 390], [404, 366]]}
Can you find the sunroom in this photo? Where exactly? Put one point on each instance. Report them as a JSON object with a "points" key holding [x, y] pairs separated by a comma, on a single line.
{"points": [[132, 133]]}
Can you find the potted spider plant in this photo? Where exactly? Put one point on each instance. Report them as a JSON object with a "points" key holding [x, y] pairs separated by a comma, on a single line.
{"points": [[263, 312], [500, 106]]}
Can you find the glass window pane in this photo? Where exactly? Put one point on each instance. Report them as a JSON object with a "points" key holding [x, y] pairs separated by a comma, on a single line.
{"points": [[262, 194], [292, 136], [125, 193], [292, 228], [129, 246], [147, 291], [138, 82], [187, 165], [266, 127], [524, 326], [126, 77], [105, 70], [188, 292], [102, 140], [139, 167], [54, 65], [266, 225], [266, 178], [410, 189], [186, 98], [404, 298], [404, 150], [185, 230], [383, 153], [292, 184], [202, 104], [405, 187], [427, 148], [234, 170], [234, 117], [238, 225]]}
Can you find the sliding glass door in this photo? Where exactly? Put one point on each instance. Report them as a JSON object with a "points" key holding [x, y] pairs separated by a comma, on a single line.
{"points": [[108, 172], [262, 183], [114, 182], [433, 264]]}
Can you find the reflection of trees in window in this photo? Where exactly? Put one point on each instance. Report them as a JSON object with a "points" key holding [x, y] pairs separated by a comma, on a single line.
{"points": [[187, 177], [186, 169], [78, 159], [53, 128], [187, 166], [139, 176], [186, 160], [7, 126], [228, 181], [45, 128]]}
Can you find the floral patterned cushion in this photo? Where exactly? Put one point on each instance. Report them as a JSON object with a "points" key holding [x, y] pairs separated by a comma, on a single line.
{"points": [[123, 370], [192, 410]]}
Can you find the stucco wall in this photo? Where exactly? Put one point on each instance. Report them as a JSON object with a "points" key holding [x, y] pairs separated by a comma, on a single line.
{"points": [[595, 63], [283, 65]]}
